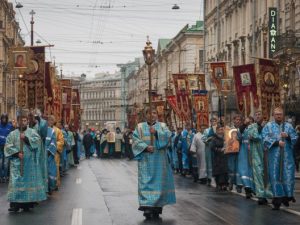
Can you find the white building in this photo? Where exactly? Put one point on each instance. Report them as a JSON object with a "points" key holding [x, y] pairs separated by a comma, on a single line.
{"points": [[100, 100]]}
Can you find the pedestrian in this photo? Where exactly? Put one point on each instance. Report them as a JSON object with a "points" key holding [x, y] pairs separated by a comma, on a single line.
{"points": [[206, 138], [186, 141], [220, 167], [155, 178], [118, 143], [104, 150], [178, 149], [279, 138], [232, 158], [244, 159], [257, 157], [70, 146], [87, 143], [26, 183], [59, 147], [174, 152], [36, 122], [76, 151], [111, 141], [297, 149], [97, 143], [198, 148], [5, 129]]}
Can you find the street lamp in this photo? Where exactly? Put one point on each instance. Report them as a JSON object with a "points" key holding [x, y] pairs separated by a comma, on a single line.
{"points": [[149, 54]]}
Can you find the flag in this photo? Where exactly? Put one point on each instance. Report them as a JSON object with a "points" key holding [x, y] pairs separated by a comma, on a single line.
{"points": [[181, 84], [270, 86], [218, 72], [245, 83]]}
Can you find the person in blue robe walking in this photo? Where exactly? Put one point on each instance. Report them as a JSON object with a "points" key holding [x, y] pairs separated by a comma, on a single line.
{"points": [[50, 146], [279, 138], [245, 160], [5, 129], [155, 179], [186, 141], [26, 185]]}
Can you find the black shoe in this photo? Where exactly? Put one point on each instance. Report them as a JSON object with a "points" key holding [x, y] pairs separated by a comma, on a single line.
{"points": [[248, 193], [239, 189], [285, 201], [14, 209], [230, 187], [262, 201], [203, 181], [147, 214], [208, 182], [276, 203]]}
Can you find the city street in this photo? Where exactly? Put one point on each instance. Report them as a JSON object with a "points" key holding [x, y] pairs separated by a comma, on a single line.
{"points": [[105, 192]]}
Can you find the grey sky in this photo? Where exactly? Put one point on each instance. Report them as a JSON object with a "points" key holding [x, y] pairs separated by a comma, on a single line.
{"points": [[93, 35]]}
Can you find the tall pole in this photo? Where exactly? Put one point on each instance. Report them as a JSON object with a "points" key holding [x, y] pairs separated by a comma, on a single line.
{"points": [[32, 13], [150, 100]]}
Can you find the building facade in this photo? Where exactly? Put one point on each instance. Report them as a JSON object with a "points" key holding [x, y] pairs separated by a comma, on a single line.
{"points": [[238, 32], [100, 101], [9, 37]]}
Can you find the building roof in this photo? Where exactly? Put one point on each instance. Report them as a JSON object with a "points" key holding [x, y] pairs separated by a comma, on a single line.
{"points": [[199, 26], [162, 44]]}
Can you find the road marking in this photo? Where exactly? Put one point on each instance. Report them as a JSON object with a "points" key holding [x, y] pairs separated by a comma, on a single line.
{"points": [[78, 181], [77, 216]]}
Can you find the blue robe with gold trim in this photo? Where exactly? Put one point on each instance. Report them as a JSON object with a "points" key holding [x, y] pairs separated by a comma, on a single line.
{"points": [[50, 146], [155, 178], [281, 186], [30, 186]]}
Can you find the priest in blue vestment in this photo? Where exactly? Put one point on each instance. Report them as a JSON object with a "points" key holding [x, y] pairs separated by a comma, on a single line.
{"points": [[155, 179], [23, 146], [279, 138]]}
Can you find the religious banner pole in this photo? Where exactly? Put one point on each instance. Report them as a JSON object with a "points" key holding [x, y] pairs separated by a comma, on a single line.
{"points": [[149, 54]]}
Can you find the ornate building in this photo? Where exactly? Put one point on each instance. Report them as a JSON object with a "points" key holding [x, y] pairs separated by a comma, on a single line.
{"points": [[100, 101], [9, 37], [240, 31]]}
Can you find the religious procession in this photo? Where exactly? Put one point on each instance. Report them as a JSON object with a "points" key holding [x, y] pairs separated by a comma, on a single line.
{"points": [[150, 113]]}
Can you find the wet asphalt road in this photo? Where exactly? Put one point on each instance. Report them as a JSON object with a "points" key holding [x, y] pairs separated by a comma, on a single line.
{"points": [[104, 192]]}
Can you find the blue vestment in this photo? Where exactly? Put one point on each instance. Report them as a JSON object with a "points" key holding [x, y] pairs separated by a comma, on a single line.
{"points": [[4, 131], [50, 146], [29, 186], [155, 178], [281, 166], [245, 162]]}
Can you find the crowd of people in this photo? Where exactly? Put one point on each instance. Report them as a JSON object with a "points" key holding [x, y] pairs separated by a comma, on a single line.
{"points": [[108, 143], [34, 154], [255, 155]]}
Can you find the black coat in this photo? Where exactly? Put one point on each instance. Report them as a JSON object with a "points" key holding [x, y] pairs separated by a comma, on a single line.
{"points": [[87, 141], [219, 158]]}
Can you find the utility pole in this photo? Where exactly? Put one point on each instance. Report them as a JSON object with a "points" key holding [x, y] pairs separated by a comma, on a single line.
{"points": [[32, 13]]}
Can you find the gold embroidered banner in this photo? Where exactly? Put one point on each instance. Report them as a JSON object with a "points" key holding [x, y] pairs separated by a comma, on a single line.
{"points": [[245, 83], [218, 72], [181, 84], [270, 86]]}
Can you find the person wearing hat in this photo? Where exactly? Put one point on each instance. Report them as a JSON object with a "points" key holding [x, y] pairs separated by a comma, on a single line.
{"points": [[155, 178], [279, 139], [26, 183], [5, 129]]}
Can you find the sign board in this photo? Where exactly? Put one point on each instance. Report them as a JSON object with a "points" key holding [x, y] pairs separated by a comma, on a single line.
{"points": [[272, 31]]}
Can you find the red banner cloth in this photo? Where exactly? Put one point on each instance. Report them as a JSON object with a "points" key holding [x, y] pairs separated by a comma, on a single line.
{"points": [[245, 83], [181, 83], [218, 72], [270, 86]]}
